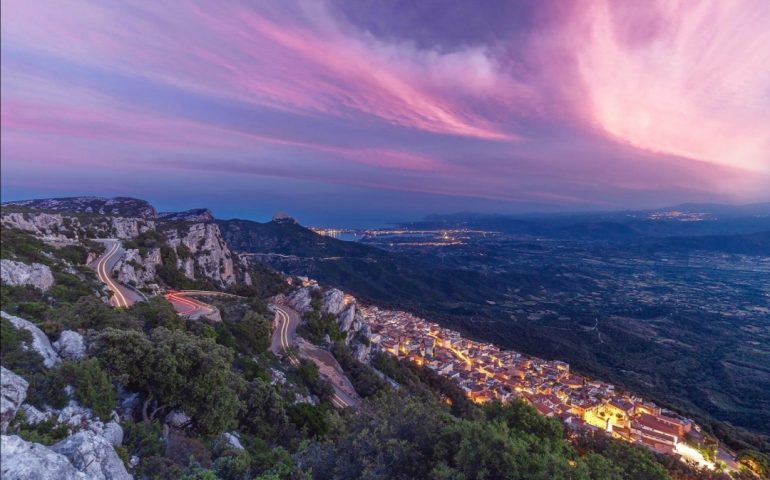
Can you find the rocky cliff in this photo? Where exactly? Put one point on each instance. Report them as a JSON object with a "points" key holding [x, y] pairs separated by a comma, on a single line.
{"points": [[139, 270], [202, 252], [70, 227], [195, 215], [344, 309]]}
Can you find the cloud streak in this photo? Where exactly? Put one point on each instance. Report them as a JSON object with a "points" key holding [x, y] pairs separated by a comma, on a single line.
{"points": [[592, 103]]}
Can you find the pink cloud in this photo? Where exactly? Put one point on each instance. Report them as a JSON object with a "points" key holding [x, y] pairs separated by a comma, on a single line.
{"points": [[684, 78]]}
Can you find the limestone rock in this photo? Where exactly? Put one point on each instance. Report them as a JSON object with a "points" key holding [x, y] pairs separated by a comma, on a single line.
{"points": [[230, 441], [300, 299], [113, 432], [346, 317], [47, 226], [13, 391], [70, 345], [125, 228], [18, 273], [33, 416], [177, 419], [209, 254], [40, 342], [333, 301], [197, 215], [93, 455], [23, 460], [133, 269]]}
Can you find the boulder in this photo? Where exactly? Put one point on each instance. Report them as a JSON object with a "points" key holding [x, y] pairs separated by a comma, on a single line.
{"points": [[113, 433], [70, 345], [177, 419], [40, 342], [33, 416], [75, 415], [13, 391], [128, 402], [23, 460], [300, 300], [346, 317], [93, 455], [18, 273], [333, 302], [230, 441]]}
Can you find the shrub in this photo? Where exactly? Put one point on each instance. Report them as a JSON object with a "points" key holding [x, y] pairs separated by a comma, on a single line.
{"points": [[312, 418], [93, 388], [13, 354]]}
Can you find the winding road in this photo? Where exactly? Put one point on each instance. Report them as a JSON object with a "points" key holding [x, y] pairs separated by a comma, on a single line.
{"points": [[192, 308], [122, 296], [285, 337]]}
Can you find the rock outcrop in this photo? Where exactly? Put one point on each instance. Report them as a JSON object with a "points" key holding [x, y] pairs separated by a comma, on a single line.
{"points": [[70, 345], [93, 455], [47, 226], [201, 250], [230, 441], [13, 391], [17, 273], [23, 460], [33, 416], [137, 270], [40, 342], [117, 206], [333, 302], [177, 419], [63, 227], [196, 215], [301, 299], [129, 227]]}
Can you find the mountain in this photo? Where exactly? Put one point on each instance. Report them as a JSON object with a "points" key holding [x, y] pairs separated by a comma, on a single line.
{"points": [[118, 206], [371, 273]]}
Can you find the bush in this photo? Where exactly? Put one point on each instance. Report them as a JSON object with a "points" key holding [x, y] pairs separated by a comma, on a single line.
{"points": [[233, 465], [364, 379], [142, 439], [175, 369], [45, 433], [13, 354], [311, 418], [93, 388]]}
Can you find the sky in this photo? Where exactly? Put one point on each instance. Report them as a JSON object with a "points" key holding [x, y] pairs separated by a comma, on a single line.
{"points": [[364, 112]]}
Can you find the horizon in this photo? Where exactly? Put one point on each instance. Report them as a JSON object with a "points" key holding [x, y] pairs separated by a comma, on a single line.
{"points": [[418, 110], [383, 222]]}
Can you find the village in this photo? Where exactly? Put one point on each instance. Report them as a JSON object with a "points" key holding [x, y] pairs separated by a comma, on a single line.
{"points": [[486, 373]]}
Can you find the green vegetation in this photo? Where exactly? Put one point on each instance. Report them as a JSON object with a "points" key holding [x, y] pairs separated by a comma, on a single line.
{"points": [[174, 369], [364, 379], [317, 325], [15, 353], [222, 375]]}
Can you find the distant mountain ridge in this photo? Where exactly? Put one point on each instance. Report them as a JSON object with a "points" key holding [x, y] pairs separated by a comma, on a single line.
{"points": [[117, 206], [691, 219]]}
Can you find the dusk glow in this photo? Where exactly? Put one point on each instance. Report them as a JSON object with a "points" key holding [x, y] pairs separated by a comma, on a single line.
{"points": [[375, 110]]}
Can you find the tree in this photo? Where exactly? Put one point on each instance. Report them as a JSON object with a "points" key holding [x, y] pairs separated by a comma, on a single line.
{"points": [[174, 369]]}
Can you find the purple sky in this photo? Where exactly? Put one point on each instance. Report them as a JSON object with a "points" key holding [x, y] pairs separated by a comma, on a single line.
{"points": [[365, 111]]}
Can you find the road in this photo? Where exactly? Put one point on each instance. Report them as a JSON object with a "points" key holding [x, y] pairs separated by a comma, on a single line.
{"points": [[285, 341], [187, 306], [122, 296]]}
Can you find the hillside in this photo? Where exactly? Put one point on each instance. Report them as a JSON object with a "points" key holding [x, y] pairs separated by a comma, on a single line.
{"points": [[370, 273], [154, 395]]}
